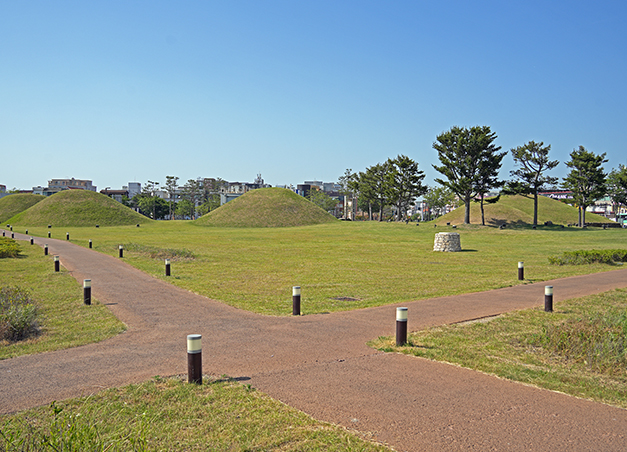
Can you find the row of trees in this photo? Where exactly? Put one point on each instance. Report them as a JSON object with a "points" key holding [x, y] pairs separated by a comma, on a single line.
{"points": [[470, 163], [195, 197]]}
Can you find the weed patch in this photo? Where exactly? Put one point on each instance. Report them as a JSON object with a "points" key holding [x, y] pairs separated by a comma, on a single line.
{"points": [[20, 316]]}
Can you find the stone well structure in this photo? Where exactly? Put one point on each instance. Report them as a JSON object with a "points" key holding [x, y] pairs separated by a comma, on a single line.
{"points": [[447, 241]]}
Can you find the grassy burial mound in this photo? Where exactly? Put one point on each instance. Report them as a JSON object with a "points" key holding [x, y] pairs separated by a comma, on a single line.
{"points": [[78, 208], [13, 204], [518, 210], [267, 208]]}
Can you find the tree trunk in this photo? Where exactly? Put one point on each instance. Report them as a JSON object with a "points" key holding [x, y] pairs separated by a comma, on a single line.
{"points": [[467, 211], [583, 216], [580, 223], [535, 208]]}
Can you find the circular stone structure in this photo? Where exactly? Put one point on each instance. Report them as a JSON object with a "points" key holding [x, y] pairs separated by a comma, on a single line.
{"points": [[447, 241]]}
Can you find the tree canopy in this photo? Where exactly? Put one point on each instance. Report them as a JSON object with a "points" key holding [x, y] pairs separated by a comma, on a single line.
{"points": [[586, 179], [470, 161]]}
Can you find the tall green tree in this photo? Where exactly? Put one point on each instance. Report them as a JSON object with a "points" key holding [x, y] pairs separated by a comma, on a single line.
{"points": [[375, 182], [192, 191], [349, 184], [617, 187], [533, 161], [171, 186], [405, 183], [586, 179], [465, 156], [437, 198], [322, 200], [489, 168]]}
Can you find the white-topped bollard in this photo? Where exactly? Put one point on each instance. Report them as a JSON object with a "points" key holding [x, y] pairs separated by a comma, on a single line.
{"points": [[548, 298], [401, 326], [194, 358], [167, 267], [56, 263], [87, 291], [121, 251], [521, 271], [296, 300]]}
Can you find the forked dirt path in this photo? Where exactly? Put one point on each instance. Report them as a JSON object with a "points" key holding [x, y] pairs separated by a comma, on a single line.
{"points": [[321, 365]]}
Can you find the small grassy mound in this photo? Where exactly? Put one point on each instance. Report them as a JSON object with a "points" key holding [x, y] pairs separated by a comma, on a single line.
{"points": [[13, 204], [518, 210], [267, 208], [78, 208]]}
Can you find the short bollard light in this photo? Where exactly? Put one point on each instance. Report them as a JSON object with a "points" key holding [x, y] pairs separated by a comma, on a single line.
{"points": [[548, 298], [67, 236], [401, 326], [87, 291], [521, 271], [89, 243], [12, 235], [48, 234], [46, 249], [56, 263], [167, 267], [296, 300], [26, 232], [32, 241], [194, 358], [121, 250]]}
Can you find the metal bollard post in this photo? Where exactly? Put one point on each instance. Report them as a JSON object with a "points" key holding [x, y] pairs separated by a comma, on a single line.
{"points": [[12, 235], [48, 234], [89, 243], [296, 300], [401, 326], [167, 267], [121, 251], [56, 263], [67, 236], [46, 249], [521, 271], [32, 241], [548, 298], [26, 232], [194, 358], [87, 291]]}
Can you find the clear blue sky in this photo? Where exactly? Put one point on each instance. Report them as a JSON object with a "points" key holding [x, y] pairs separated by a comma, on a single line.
{"points": [[119, 91]]}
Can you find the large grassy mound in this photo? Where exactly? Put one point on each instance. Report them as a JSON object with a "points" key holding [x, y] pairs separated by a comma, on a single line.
{"points": [[13, 204], [518, 210], [267, 208], [78, 208]]}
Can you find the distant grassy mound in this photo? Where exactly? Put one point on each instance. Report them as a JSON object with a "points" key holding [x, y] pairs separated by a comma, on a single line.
{"points": [[78, 208], [518, 210], [266, 208], [13, 204]]}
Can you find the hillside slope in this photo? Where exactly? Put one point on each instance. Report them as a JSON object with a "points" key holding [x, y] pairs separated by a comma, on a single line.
{"points": [[518, 210], [13, 204], [78, 208], [266, 208]]}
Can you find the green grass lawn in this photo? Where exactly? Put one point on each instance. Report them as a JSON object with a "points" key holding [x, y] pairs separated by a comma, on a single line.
{"points": [[168, 414], [579, 349], [373, 263], [67, 321]]}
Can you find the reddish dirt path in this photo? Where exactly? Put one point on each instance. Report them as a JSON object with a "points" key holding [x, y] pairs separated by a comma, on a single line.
{"points": [[321, 365]]}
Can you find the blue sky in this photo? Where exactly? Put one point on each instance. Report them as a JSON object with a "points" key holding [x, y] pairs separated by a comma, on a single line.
{"points": [[121, 91]]}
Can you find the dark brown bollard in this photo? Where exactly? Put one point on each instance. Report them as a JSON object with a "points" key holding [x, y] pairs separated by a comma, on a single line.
{"points": [[48, 234], [32, 241], [296, 300], [521, 271], [194, 358], [548, 298], [87, 291], [67, 236], [121, 251], [167, 267], [46, 249], [56, 263], [89, 243], [401, 326]]}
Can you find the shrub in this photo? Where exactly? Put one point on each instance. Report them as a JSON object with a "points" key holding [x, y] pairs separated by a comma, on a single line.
{"points": [[19, 314], [582, 257], [9, 247]]}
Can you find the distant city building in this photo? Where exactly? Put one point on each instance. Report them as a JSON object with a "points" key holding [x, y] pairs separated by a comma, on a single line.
{"points": [[57, 185]]}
